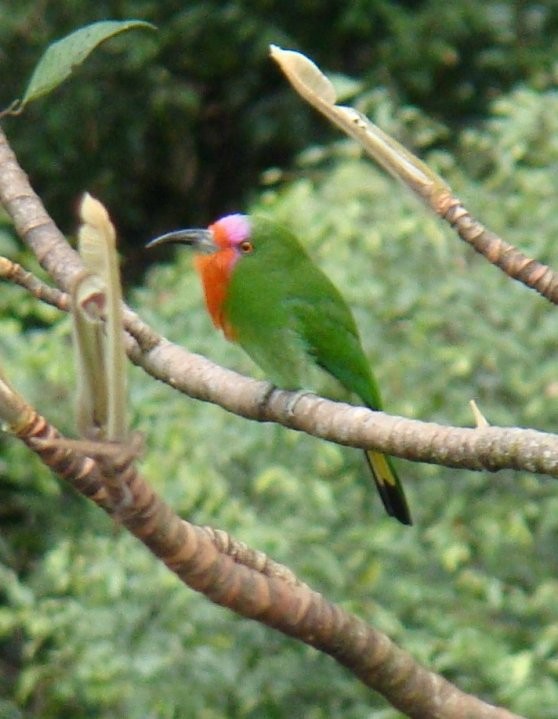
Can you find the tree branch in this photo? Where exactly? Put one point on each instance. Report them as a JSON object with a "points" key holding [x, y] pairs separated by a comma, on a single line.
{"points": [[508, 258], [230, 574]]}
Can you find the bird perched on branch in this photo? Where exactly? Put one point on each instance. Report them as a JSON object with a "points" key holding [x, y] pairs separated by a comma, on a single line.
{"points": [[265, 293]]}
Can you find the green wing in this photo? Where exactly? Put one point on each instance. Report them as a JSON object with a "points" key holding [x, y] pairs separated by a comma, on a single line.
{"points": [[329, 332]]}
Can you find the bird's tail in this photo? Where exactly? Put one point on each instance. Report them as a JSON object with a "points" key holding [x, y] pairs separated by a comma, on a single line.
{"points": [[389, 486]]}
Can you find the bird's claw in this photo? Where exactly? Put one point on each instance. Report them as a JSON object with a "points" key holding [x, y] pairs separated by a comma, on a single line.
{"points": [[295, 398], [264, 398]]}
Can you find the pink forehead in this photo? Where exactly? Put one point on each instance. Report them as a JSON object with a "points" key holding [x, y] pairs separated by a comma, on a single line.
{"points": [[235, 227]]}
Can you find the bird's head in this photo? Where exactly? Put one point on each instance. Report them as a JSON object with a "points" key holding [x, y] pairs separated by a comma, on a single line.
{"points": [[218, 249], [230, 235]]}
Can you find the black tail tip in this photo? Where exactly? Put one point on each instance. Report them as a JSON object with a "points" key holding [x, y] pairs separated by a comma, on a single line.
{"points": [[396, 505], [402, 516]]}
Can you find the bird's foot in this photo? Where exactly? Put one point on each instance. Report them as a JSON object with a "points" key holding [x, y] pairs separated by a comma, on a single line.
{"points": [[263, 400], [295, 399]]}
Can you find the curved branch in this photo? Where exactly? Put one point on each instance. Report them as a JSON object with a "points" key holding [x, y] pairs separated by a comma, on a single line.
{"points": [[247, 582], [480, 448], [32, 222]]}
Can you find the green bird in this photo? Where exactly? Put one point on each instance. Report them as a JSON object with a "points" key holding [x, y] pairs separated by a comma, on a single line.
{"points": [[265, 293]]}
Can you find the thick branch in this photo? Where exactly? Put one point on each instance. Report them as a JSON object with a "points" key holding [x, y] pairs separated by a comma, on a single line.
{"points": [[230, 574], [482, 448], [32, 222]]}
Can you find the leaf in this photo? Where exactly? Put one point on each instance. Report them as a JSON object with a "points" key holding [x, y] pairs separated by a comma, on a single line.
{"points": [[62, 57]]}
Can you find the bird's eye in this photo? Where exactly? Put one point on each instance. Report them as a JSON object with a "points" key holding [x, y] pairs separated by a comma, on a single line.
{"points": [[246, 247]]}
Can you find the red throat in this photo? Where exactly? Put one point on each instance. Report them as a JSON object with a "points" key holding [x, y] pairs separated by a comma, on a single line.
{"points": [[215, 271]]}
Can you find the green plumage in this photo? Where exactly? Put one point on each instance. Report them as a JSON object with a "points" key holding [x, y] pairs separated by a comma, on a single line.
{"points": [[289, 317]]}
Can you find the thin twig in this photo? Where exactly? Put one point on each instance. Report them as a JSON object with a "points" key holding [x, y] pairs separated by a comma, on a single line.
{"points": [[14, 272], [508, 258]]}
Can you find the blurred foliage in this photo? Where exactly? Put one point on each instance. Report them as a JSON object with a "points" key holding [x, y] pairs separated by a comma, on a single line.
{"points": [[90, 624], [177, 125]]}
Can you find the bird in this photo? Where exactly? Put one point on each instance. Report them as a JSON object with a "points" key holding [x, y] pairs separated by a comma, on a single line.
{"points": [[265, 293]]}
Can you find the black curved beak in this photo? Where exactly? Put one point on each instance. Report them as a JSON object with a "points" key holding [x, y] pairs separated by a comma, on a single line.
{"points": [[198, 240]]}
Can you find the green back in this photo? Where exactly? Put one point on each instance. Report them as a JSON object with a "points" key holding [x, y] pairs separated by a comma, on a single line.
{"points": [[288, 316]]}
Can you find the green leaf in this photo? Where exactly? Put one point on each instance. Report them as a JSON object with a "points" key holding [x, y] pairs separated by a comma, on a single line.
{"points": [[60, 58]]}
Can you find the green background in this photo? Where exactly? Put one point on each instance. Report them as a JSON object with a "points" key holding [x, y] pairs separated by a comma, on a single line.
{"points": [[177, 127]]}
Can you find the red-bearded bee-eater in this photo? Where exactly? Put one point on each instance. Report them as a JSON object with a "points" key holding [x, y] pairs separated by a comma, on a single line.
{"points": [[265, 293]]}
